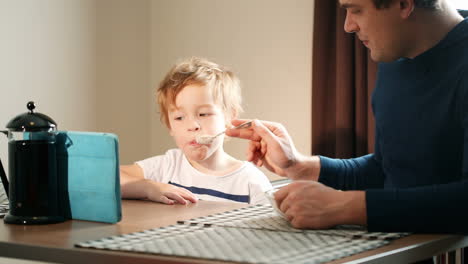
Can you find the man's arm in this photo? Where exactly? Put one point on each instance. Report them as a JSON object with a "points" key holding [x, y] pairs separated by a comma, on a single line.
{"points": [[352, 174]]}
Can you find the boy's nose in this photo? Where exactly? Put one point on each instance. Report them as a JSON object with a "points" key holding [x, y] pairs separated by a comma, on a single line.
{"points": [[194, 126]]}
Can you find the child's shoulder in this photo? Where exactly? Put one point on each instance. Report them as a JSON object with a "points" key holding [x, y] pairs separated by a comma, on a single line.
{"points": [[251, 168], [175, 156], [256, 176], [170, 155], [253, 172]]}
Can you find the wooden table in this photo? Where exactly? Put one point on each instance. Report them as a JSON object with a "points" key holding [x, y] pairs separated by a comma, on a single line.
{"points": [[55, 242]]}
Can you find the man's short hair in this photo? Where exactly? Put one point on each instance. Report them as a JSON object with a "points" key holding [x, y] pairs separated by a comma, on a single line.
{"points": [[430, 4]]}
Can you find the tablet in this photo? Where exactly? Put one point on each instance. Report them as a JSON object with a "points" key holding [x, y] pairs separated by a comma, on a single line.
{"points": [[89, 180]]}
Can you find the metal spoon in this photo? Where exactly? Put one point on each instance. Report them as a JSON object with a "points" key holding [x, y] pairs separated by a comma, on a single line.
{"points": [[206, 139]]}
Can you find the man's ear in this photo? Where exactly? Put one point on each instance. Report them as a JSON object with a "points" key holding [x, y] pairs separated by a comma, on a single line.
{"points": [[406, 8]]}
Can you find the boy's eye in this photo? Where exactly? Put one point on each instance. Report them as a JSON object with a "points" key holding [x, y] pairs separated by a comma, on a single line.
{"points": [[205, 114], [178, 118]]}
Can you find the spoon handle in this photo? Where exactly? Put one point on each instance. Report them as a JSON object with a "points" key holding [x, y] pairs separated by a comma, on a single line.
{"points": [[243, 125]]}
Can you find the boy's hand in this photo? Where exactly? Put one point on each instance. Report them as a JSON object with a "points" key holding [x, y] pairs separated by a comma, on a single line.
{"points": [[169, 194]]}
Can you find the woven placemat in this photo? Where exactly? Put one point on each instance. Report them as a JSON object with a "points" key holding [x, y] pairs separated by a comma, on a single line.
{"points": [[236, 244], [264, 217], [253, 234]]}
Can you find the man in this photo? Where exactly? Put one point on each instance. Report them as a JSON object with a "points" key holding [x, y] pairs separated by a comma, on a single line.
{"points": [[417, 178]]}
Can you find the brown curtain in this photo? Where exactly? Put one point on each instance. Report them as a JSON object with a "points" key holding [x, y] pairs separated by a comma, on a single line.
{"points": [[343, 80]]}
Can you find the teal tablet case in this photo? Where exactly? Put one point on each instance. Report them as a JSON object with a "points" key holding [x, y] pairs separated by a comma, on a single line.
{"points": [[88, 169]]}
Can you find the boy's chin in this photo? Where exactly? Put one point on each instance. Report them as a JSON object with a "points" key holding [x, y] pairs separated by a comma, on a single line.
{"points": [[198, 154]]}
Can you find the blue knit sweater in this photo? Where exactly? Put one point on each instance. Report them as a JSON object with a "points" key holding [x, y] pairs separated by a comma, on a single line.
{"points": [[417, 178]]}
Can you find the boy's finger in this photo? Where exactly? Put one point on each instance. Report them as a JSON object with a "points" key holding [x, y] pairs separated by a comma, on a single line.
{"points": [[190, 197], [176, 197], [166, 200]]}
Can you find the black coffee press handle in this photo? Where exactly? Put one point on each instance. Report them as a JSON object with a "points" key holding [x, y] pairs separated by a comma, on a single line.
{"points": [[4, 179]]}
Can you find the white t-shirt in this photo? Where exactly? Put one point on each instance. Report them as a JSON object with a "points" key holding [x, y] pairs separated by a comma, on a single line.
{"points": [[246, 184]]}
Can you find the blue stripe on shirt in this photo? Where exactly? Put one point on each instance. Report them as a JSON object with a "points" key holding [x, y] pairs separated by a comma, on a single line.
{"points": [[232, 197]]}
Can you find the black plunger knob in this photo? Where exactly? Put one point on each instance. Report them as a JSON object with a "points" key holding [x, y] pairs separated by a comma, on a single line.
{"points": [[31, 106]]}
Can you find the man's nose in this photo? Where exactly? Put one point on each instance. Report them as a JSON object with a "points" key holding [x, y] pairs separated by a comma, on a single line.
{"points": [[350, 25]]}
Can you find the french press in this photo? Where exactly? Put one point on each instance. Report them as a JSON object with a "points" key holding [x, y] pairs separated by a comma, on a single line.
{"points": [[33, 187]]}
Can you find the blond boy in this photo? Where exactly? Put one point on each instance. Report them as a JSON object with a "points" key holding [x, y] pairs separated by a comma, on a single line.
{"points": [[197, 97]]}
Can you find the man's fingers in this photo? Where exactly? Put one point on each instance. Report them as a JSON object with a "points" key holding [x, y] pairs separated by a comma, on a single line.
{"points": [[251, 150], [282, 193], [263, 147], [263, 131], [245, 133], [237, 122], [259, 130], [254, 151], [260, 163], [284, 205], [269, 167]]}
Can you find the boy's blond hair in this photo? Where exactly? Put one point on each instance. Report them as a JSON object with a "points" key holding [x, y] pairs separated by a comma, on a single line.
{"points": [[223, 84]]}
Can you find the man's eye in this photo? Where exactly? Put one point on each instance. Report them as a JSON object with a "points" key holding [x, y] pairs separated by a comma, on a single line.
{"points": [[355, 11]]}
